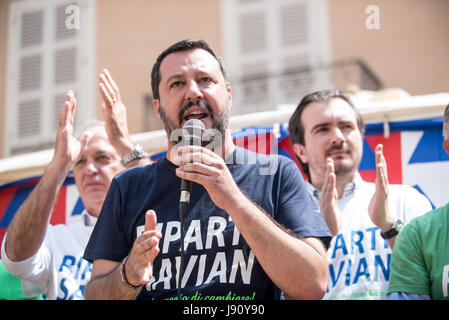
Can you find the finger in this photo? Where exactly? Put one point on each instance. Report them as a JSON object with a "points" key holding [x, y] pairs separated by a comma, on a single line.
{"points": [[199, 157], [147, 272], [329, 166], [381, 164], [332, 177], [63, 117], [330, 163], [203, 178], [191, 149], [111, 81], [379, 153], [105, 95], [72, 107], [333, 185], [191, 176], [147, 240], [66, 118], [150, 220], [199, 168], [107, 85], [384, 163], [146, 275], [149, 256], [329, 171]]}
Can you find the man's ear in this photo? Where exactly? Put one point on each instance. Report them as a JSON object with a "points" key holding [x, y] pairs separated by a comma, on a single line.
{"points": [[156, 106], [228, 89], [300, 151], [446, 145]]}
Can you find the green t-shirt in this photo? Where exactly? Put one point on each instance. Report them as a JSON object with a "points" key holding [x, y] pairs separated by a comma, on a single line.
{"points": [[11, 287], [420, 260]]}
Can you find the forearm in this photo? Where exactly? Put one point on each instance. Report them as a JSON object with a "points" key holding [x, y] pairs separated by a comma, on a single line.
{"points": [[138, 162], [109, 287], [297, 266], [27, 230], [332, 221]]}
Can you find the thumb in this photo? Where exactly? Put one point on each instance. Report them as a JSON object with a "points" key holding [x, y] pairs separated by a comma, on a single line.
{"points": [[150, 220]]}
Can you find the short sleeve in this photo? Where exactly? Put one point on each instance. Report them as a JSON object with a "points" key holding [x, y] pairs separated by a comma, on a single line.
{"points": [[108, 237], [35, 269], [408, 272], [297, 210]]}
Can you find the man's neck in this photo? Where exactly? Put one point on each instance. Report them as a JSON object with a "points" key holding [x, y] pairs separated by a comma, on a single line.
{"points": [[341, 183]]}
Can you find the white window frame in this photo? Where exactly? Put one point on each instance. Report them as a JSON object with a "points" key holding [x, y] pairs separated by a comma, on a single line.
{"points": [[319, 48], [85, 83]]}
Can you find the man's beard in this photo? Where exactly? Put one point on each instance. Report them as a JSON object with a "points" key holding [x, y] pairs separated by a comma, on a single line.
{"points": [[220, 120], [342, 170]]}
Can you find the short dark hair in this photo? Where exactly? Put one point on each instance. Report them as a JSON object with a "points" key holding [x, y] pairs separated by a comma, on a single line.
{"points": [[183, 45], [295, 126]]}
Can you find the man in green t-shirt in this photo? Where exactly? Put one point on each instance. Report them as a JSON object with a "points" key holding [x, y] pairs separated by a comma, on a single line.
{"points": [[420, 261]]}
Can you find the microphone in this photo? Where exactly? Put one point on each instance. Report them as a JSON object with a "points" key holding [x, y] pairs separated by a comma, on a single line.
{"points": [[192, 134]]}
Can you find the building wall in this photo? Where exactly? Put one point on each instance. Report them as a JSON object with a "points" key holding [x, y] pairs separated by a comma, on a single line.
{"points": [[4, 19], [130, 37], [409, 50]]}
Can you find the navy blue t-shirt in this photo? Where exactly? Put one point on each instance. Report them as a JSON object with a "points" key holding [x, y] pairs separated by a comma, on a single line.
{"points": [[218, 262]]}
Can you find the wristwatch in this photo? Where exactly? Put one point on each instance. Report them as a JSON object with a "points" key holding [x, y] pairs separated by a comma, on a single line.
{"points": [[137, 153], [397, 226]]}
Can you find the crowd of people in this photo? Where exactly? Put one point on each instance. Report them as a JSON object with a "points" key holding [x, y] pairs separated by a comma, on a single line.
{"points": [[248, 234]]}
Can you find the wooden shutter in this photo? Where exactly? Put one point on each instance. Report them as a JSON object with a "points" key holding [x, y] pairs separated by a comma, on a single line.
{"points": [[253, 83], [45, 59], [273, 50], [296, 78], [28, 120]]}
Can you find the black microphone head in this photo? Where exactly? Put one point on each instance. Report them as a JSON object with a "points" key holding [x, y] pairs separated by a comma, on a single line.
{"points": [[193, 131]]}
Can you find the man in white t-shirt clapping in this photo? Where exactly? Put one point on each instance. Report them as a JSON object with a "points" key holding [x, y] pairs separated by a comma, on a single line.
{"points": [[49, 259], [326, 132]]}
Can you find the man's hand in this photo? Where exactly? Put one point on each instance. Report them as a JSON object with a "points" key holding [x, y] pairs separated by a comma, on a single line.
{"points": [[139, 266], [67, 147], [114, 114], [27, 230], [378, 207], [205, 167], [329, 199]]}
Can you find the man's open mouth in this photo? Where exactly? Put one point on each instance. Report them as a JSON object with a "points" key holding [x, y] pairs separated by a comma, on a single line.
{"points": [[195, 112], [199, 110], [198, 114]]}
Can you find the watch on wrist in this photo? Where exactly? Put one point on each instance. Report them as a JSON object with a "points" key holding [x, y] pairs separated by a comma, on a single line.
{"points": [[137, 153], [397, 226]]}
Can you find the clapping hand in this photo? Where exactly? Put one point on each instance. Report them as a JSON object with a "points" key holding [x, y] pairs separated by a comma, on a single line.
{"points": [[114, 114], [67, 147], [329, 199], [378, 207]]}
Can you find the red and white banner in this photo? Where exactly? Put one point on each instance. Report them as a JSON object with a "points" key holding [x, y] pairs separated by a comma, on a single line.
{"points": [[413, 151]]}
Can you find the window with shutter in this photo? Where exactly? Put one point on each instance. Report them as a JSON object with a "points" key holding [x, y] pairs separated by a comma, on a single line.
{"points": [[47, 56], [274, 50]]}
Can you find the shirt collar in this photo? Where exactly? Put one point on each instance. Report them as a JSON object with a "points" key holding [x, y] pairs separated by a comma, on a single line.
{"points": [[88, 219], [348, 191]]}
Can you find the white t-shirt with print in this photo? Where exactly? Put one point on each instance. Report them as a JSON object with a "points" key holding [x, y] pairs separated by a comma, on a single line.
{"points": [[359, 258], [58, 268]]}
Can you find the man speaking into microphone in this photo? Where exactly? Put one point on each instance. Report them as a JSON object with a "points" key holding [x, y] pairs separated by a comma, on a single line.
{"points": [[248, 235]]}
